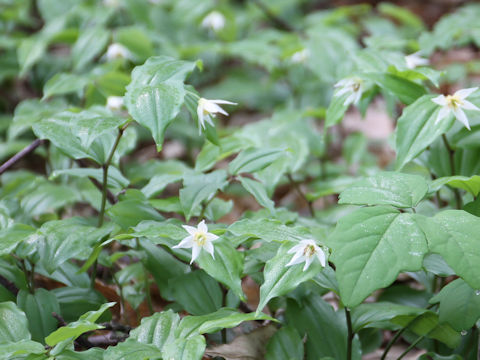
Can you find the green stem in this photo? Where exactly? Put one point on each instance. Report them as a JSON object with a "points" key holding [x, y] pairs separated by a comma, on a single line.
{"points": [[301, 194], [278, 22], [412, 345], [451, 154], [101, 215], [350, 333], [146, 283]]}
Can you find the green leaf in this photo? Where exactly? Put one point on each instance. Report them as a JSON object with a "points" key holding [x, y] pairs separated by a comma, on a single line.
{"points": [[192, 348], [213, 322], [197, 292], [386, 188], [132, 350], [285, 344], [227, 267], [199, 188], [453, 235], [253, 159], [12, 236], [155, 107], [367, 315], [61, 240], [63, 83], [116, 180], [259, 192], [326, 330], [336, 110], [90, 43], [131, 211], [417, 128], [12, 350], [85, 323], [281, 279], [136, 40], [157, 329], [470, 184], [268, 230], [459, 305], [371, 246], [13, 324], [407, 91], [87, 134], [48, 197], [74, 301], [39, 308]]}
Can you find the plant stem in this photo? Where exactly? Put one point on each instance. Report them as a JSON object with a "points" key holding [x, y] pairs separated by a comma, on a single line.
{"points": [[18, 156], [301, 194], [412, 345], [101, 216], [146, 283], [451, 154], [278, 22], [350, 333]]}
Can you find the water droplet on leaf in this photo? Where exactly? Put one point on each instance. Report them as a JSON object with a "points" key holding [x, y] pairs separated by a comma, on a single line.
{"points": [[477, 292]]}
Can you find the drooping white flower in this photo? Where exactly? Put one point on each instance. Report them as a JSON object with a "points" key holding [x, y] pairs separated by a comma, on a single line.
{"points": [[214, 21], [199, 238], [115, 103], [300, 57], [306, 251], [208, 108], [117, 51], [353, 86], [414, 60], [456, 103]]}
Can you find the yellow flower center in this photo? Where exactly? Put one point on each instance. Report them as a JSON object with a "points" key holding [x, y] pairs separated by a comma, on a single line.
{"points": [[309, 251], [200, 239], [356, 87], [453, 101]]}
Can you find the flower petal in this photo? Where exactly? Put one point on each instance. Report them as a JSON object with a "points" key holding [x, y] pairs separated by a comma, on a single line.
{"points": [[211, 237], [296, 248], [209, 248], [223, 102], [350, 99], [342, 91], [202, 227], [185, 243], [190, 229], [321, 256], [460, 115], [464, 93], [296, 259], [467, 105], [195, 252], [308, 261], [213, 108], [444, 112], [440, 100], [200, 115]]}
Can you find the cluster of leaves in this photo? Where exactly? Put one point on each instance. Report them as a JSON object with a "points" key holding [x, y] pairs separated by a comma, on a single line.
{"points": [[91, 226]]}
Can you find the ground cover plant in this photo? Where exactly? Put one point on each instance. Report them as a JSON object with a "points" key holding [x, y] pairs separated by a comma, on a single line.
{"points": [[186, 179]]}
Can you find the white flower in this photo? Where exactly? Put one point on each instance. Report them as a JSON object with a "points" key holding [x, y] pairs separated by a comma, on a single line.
{"points": [[300, 57], [306, 251], [197, 239], [354, 86], [117, 51], [207, 108], [214, 20], [455, 103], [115, 103], [414, 60]]}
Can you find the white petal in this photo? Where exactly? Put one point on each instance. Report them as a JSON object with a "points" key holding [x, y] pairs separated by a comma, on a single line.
{"points": [[460, 115], [296, 248], [344, 83], [195, 252], [467, 105], [211, 237], [358, 96], [296, 259], [321, 257], [440, 100], [202, 227], [350, 99], [223, 102], [308, 261], [464, 93], [444, 112], [342, 91], [190, 229], [209, 248], [200, 114], [208, 118], [185, 243], [213, 108]]}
